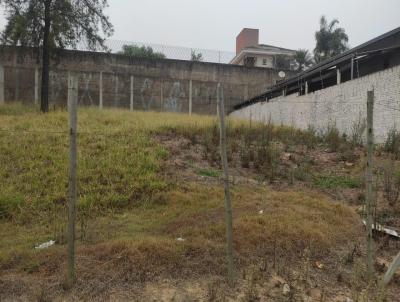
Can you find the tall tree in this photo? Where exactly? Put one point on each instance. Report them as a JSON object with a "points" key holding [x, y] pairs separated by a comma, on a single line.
{"points": [[49, 24], [330, 40], [303, 59], [281, 62], [141, 52]]}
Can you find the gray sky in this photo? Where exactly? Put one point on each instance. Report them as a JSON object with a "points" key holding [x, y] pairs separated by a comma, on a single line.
{"points": [[214, 24]]}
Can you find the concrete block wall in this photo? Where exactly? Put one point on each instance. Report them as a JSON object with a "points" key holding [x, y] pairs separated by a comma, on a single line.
{"points": [[342, 105], [142, 84]]}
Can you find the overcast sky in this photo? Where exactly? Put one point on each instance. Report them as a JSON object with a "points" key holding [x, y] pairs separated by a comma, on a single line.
{"points": [[214, 24]]}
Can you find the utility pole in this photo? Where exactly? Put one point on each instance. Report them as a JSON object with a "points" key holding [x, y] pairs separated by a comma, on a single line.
{"points": [[228, 205], [369, 182], [72, 181]]}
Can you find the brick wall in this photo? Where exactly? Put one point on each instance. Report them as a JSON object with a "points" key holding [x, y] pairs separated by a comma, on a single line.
{"points": [[341, 105]]}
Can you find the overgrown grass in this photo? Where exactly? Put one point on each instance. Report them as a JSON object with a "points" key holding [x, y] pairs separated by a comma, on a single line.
{"points": [[336, 181], [208, 172], [130, 215], [146, 238]]}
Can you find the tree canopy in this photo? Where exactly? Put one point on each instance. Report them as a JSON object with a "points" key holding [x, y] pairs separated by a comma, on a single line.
{"points": [[282, 62], [72, 21], [330, 40], [303, 59], [141, 52], [55, 23]]}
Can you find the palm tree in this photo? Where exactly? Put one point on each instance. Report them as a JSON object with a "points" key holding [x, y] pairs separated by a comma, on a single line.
{"points": [[303, 59], [330, 40]]}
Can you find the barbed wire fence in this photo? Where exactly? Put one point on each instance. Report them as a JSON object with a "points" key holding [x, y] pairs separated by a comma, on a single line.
{"points": [[170, 51], [390, 105]]}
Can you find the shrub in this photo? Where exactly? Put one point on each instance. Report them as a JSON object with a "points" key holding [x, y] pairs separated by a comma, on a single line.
{"points": [[392, 143], [391, 183], [266, 161], [9, 205], [332, 138], [357, 132], [310, 138]]}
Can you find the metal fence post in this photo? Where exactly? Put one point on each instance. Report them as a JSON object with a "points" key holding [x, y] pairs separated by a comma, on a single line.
{"points": [[72, 181], [369, 181], [228, 205]]}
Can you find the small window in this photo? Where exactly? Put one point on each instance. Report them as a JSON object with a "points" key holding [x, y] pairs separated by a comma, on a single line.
{"points": [[249, 61], [264, 61]]}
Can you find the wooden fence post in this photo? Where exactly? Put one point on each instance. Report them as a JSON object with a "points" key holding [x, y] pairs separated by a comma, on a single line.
{"points": [[369, 182], [391, 270], [72, 181], [228, 205]]}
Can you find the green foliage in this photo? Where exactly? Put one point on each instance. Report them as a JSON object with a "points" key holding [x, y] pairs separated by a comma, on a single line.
{"points": [[115, 171], [391, 182], [281, 62], [194, 56], [208, 172], [141, 52], [358, 129], [9, 204], [303, 59], [392, 143], [336, 181], [17, 109], [330, 40], [72, 21], [332, 138]]}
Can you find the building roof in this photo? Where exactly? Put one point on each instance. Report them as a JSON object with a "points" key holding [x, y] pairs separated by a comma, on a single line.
{"points": [[262, 49], [387, 42]]}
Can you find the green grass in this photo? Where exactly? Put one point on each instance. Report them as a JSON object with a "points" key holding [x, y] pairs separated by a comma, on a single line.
{"points": [[208, 172], [130, 211], [336, 181]]}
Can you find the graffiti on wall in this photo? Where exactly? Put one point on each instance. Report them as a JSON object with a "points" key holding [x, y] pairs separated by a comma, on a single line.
{"points": [[118, 86], [174, 102], [146, 94], [86, 78], [55, 86]]}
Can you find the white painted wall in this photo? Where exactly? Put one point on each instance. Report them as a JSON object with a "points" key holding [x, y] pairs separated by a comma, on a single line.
{"points": [[341, 105]]}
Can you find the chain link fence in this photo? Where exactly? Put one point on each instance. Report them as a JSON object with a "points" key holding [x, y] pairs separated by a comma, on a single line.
{"points": [[171, 52]]}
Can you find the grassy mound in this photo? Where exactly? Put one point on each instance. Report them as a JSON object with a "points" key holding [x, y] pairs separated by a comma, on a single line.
{"points": [[130, 212]]}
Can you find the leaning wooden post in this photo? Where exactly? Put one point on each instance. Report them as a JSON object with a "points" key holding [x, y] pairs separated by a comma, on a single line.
{"points": [[228, 206], [391, 270], [369, 181], [72, 181]]}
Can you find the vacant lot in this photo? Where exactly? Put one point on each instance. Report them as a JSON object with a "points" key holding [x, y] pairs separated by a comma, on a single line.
{"points": [[151, 210]]}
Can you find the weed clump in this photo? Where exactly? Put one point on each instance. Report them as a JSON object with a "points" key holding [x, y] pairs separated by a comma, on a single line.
{"points": [[392, 143]]}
